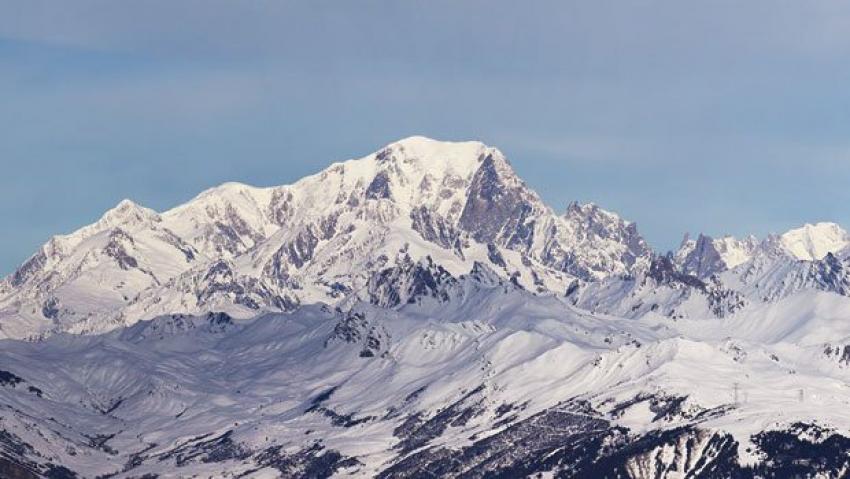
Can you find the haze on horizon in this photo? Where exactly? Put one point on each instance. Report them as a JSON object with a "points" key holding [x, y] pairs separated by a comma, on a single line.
{"points": [[715, 117]]}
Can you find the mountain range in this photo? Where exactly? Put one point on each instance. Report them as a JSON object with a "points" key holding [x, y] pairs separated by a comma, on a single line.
{"points": [[421, 312]]}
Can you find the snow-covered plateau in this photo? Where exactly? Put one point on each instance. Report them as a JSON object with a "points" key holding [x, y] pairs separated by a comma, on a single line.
{"points": [[420, 312]]}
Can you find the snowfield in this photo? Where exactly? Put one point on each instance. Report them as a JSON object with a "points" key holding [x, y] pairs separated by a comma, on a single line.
{"points": [[421, 313]]}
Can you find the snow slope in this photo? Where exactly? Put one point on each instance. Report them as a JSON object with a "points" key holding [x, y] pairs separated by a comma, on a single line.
{"points": [[393, 392]]}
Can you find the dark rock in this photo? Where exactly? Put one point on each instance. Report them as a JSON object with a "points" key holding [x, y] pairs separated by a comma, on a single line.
{"points": [[314, 462], [9, 379], [379, 188], [495, 256]]}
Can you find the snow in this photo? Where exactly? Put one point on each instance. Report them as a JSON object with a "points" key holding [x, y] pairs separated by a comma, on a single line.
{"points": [[735, 252], [759, 336], [814, 241], [260, 373]]}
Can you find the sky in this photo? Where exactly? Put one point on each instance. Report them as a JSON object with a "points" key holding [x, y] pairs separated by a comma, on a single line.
{"points": [[722, 117]]}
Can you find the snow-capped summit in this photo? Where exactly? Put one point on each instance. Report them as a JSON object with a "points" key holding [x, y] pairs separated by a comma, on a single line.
{"points": [[813, 241], [437, 157], [127, 211], [126, 214]]}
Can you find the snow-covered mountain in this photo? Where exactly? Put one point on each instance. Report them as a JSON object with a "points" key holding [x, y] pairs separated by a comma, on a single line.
{"points": [[814, 242], [706, 256], [719, 277], [242, 249], [420, 312]]}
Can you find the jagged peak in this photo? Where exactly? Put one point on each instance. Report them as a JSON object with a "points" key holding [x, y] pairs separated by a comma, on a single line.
{"points": [[810, 242], [700, 257], [593, 211], [706, 254], [576, 206]]}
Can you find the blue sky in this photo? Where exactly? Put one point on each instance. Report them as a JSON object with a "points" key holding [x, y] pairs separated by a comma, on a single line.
{"points": [[724, 117]]}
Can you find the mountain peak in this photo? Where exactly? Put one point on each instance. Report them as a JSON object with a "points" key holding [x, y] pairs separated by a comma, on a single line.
{"points": [[127, 212], [229, 191], [706, 255], [591, 210], [228, 186], [420, 142], [126, 203], [813, 241], [419, 155]]}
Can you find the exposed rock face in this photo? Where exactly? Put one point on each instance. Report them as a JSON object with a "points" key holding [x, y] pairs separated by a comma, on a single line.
{"points": [[496, 210], [708, 256], [116, 249], [567, 444], [704, 260], [663, 271], [29, 269], [592, 222], [831, 274], [436, 229], [409, 282], [379, 188], [370, 336], [838, 353]]}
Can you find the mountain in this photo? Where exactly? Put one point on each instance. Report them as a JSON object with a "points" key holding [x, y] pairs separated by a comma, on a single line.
{"points": [[814, 242], [420, 312], [721, 277], [706, 256], [243, 249]]}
